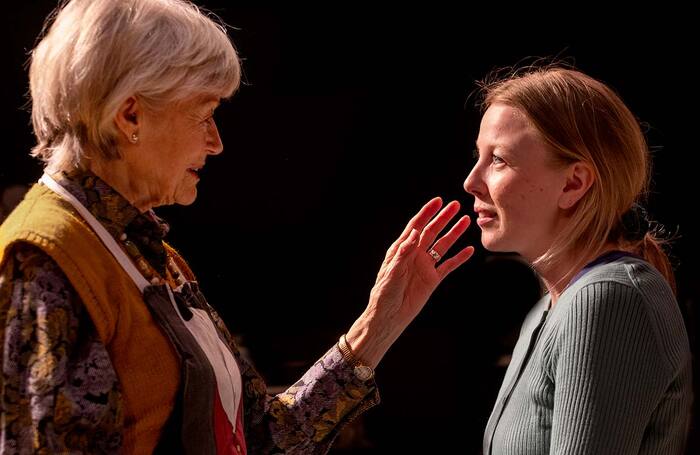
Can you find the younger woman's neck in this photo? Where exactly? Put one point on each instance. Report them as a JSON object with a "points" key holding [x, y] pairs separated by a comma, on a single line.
{"points": [[558, 276]]}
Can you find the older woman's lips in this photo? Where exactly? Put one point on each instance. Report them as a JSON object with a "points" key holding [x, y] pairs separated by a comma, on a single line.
{"points": [[194, 173]]}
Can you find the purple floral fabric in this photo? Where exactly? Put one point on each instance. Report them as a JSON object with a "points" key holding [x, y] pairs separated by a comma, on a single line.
{"points": [[59, 391]]}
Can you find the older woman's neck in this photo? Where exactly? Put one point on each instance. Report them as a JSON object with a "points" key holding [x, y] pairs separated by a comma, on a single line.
{"points": [[117, 174]]}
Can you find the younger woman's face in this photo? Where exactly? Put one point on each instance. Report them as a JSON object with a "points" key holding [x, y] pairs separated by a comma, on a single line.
{"points": [[515, 184]]}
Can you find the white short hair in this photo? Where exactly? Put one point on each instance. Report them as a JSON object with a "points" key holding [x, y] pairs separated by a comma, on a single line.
{"points": [[98, 53]]}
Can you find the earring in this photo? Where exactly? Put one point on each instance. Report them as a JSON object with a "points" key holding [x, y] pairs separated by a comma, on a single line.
{"points": [[134, 138]]}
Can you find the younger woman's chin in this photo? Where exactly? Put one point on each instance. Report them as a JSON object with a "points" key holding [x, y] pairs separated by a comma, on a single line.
{"points": [[494, 246]]}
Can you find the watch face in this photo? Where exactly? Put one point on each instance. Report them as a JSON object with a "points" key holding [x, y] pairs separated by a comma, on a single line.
{"points": [[363, 372]]}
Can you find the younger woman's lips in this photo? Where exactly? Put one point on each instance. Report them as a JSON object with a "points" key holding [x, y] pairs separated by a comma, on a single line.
{"points": [[485, 217], [483, 220]]}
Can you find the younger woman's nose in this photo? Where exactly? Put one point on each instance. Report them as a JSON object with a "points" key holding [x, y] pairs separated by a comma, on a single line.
{"points": [[474, 184]]}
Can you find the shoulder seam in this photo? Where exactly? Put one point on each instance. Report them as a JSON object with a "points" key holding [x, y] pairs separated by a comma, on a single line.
{"points": [[643, 303]]}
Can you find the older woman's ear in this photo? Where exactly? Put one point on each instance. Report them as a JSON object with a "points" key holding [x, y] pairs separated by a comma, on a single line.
{"points": [[579, 178], [128, 119]]}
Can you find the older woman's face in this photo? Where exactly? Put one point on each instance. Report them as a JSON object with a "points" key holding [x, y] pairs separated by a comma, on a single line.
{"points": [[174, 144], [515, 185]]}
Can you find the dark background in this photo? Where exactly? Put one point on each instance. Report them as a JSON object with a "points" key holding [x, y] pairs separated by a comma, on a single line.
{"points": [[348, 120]]}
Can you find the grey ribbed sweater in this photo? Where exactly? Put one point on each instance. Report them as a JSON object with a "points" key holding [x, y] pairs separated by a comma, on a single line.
{"points": [[606, 371]]}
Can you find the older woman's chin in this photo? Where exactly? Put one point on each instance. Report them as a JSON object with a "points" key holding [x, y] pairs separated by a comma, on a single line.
{"points": [[185, 197], [187, 201]]}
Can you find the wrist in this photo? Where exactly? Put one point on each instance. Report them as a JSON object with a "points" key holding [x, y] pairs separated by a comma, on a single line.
{"points": [[361, 370], [369, 339]]}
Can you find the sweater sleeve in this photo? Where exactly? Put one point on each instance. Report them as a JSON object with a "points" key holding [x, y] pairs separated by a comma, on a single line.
{"points": [[610, 372]]}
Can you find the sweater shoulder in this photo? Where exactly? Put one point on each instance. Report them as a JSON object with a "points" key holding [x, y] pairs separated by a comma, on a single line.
{"points": [[628, 294]]}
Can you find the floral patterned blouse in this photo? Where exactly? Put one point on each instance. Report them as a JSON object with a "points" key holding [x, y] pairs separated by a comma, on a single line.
{"points": [[59, 391]]}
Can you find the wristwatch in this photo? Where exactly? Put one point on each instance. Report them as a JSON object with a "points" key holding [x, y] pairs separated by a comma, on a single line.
{"points": [[361, 371]]}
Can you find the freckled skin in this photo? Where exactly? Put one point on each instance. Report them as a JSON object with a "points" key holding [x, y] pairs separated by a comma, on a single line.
{"points": [[516, 180]]}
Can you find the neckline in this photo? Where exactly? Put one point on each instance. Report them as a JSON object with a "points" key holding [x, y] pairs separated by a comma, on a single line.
{"points": [[605, 258], [146, 231]]}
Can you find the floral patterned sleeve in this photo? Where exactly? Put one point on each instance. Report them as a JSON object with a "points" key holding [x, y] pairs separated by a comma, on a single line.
{"points": [[306, 418], [58, 389]]}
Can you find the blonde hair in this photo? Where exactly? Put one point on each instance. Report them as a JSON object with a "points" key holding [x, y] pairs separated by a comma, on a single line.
{"points": [[98, 53], [582, 119]]}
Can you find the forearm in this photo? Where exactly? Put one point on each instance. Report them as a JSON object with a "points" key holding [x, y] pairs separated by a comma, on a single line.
{"points": [[371, 336]]}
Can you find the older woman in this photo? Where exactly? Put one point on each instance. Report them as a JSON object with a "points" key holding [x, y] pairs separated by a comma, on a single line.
{"points": [[603, 362], [108, 343]]}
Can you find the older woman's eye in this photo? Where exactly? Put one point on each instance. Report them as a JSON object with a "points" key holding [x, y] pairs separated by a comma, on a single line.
{"points": [[208, 120], [497, 159]]}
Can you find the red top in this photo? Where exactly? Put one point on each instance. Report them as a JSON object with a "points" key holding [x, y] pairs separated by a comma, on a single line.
{"points": [[228, 442]]}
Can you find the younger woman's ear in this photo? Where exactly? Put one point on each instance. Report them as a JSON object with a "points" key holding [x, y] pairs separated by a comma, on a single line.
{"points": [[128, 116], [579, 178]]}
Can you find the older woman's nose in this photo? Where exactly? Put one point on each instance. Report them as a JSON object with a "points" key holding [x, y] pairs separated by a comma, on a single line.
{"points": [[214, 144]]}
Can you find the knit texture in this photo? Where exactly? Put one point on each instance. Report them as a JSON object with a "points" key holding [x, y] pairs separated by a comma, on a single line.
{"points": [[123, 322], [606, 371]]}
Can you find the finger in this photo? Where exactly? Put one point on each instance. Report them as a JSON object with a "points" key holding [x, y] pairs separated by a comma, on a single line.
{"points": [[444, 243], [409, 245], [438, 224], [455, 261], [421, 218], [402, 249], [418, 222]]}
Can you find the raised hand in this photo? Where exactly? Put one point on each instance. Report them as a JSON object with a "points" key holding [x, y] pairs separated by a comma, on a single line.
{"points": [[414, 266]]}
